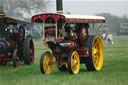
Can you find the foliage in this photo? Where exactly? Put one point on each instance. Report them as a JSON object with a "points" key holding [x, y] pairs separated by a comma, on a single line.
{"points": [[21, 8], [112, 21], [32, 6]]}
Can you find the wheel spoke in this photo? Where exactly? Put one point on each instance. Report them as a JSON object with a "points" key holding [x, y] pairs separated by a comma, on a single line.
{"points": [[95, 44], [96, 53], [44, 63], [74, 63], [30, 52], [45, 68]]}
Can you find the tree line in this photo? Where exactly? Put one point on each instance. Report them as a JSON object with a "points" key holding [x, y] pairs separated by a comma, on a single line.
{"points": [[114, 21]]}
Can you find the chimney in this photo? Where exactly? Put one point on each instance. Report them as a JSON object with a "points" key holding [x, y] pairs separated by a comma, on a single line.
{"points": [[2, 14], [59, 6]]}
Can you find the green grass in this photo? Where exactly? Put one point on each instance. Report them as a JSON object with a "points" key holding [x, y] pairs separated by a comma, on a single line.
{"points": [[114, 71]]}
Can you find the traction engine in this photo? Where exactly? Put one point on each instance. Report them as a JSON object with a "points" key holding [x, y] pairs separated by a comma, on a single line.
{"points": [[68, 38], [70, 42], [15, 45]]}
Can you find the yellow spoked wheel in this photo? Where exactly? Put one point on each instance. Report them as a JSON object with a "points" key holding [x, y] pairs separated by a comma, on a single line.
{"points": [[96, 54], [45, 60], [73, 62]]}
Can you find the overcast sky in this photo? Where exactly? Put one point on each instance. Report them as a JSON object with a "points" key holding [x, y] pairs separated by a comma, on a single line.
{"points": [[91, 7]]}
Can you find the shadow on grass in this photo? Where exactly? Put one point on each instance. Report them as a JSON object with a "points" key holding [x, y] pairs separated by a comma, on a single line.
{"points": [[61, 73]]}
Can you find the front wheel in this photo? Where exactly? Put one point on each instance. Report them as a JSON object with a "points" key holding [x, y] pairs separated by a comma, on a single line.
{"points": [[73, 62], [45, 63], [96, 53]]}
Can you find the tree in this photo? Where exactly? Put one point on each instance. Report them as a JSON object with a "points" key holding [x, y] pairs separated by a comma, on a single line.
{"points": [[32, 7], [1, 6], [18, 8], [112, 21], [124, 18]]}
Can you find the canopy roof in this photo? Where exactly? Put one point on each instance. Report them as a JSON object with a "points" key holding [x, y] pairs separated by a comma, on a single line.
{"points": [[84, 19], [70, 18], [15, 21]]}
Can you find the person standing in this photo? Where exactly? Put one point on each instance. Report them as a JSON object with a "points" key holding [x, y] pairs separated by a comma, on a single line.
{"points": [[104, 38], [110, 39]]}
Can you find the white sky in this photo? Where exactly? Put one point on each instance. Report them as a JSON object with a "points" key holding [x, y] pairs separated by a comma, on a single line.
{"points": [[91, 7], [91, 0]]}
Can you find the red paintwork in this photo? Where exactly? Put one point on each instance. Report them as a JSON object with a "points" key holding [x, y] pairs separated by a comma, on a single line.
{"points": [[50, 31], [43, 17], [6, 59], [1, 55], [75, 20], [83, 52], [72, 46], [12, 44], [45, 41], [83, 33]]}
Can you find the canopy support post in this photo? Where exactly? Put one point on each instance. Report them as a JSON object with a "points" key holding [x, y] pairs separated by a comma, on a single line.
{"points": [[99, 29], [43, 31], [56, 30], [93, 28]]}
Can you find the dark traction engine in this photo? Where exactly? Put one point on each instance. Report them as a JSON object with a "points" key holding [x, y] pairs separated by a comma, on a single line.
{"points": [[15, 45]]}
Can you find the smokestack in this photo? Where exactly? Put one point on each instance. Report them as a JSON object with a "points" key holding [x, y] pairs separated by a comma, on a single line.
{"points": [[59, 6], [2, 14]]}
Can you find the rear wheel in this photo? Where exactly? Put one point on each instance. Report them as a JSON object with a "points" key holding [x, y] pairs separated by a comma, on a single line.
{"points": [[28, 51], [15, 59], [96, 53], [45, 60], [73, 62]]}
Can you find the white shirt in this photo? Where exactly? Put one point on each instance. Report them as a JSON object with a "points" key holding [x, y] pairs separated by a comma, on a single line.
{"points": [[104, 35], [110, 37]]}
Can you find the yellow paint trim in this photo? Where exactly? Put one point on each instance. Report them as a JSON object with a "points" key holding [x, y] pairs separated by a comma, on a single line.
{"points": [[60, 12]]}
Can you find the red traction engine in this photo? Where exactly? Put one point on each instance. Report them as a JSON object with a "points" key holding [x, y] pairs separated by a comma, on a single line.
{"points": [[68, 38], [15, 45]]}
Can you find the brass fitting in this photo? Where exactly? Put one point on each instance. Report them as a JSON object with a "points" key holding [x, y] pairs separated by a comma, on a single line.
{"points": [[2, 15]]}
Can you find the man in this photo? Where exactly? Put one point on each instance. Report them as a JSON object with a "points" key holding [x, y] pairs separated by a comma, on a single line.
{"points": [[104, 38], [110, 39]]}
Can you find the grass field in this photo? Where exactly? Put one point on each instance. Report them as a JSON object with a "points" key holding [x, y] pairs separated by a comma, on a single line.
{"points": [[114, 71]]}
